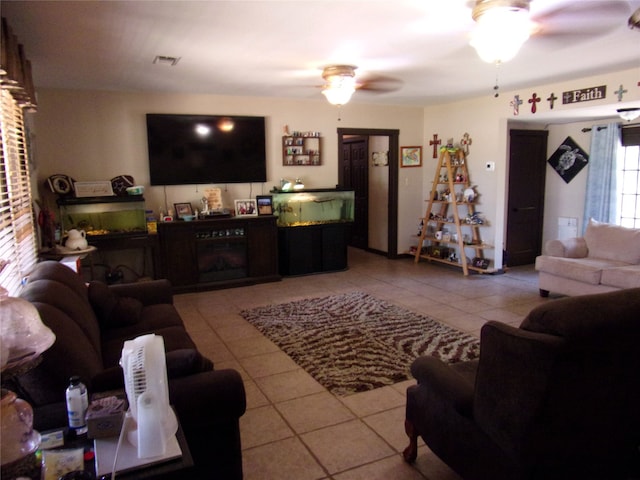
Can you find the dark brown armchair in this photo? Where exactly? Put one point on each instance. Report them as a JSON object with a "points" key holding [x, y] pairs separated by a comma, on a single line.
{"points": [[556, 398]]}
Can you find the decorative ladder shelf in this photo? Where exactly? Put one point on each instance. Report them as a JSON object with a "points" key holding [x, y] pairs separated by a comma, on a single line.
{"points": [[451, 188]]}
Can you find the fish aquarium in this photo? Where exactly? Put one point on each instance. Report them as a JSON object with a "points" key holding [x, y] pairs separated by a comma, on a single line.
{"points": [[100, 216], [313, 207]]}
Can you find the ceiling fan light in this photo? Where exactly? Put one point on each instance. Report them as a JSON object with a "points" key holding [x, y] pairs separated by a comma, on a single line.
{"points": [[629, 114], [500, 32], [340, 83], [338, 90]]}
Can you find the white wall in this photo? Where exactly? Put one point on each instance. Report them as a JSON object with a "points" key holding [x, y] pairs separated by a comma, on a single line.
{"points": [[487, 120], [564, 199], [378, 196], [98, 135]]}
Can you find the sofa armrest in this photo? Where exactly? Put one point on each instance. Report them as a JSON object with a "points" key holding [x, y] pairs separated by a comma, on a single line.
{"points": [[449, 384], [208, 398], [201, 400], [180, 363], [569, 248], [149, 293], [209, 406]]}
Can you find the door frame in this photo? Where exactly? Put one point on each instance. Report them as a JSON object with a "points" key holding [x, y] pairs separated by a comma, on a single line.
{"points": [[392, 211]]}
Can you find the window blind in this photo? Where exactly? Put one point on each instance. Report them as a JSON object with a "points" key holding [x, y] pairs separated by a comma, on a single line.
{"points": [[18, 249]]}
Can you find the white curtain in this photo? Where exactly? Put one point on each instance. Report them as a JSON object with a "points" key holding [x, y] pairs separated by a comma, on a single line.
{"points": [[601, 192]]}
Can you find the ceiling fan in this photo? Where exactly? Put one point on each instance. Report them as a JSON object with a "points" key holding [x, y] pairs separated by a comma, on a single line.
{"points": [[341, 83], [503, 26]]}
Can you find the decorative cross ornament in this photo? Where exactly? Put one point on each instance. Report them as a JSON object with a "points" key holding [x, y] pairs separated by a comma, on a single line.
{"points": [[533, 101], [515, 103], [551, 99], [465, 142], [620, 92], [435, 142]]}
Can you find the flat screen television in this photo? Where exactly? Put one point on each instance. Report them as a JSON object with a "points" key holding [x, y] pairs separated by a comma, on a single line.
{"points": [[200, 149]]}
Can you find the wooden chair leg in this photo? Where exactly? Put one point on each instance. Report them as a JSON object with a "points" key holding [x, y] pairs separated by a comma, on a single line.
{"points": [[411, 452]]}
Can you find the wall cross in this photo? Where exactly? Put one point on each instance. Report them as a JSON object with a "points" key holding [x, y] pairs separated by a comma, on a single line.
{"points": [[435, 142]]}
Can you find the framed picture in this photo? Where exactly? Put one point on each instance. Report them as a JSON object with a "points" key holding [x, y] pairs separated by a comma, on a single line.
{"points": [[246, 208], [265, 204], [410, 156], [183, 209], [568, 159]]}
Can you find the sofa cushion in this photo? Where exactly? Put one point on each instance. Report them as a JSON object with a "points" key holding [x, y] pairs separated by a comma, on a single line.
{"points": [[186, 361], [175, 338], [71, 354], [66, 300], [152, 318], [111, 309], [55, 271], [613, 242], [586, 270], [622, 277]]}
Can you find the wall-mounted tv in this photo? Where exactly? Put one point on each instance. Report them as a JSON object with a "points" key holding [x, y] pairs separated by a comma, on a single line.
{"points": [[197, 149]]}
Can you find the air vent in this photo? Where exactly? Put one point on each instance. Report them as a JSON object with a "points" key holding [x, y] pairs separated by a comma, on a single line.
{"points": [[164, 60]]}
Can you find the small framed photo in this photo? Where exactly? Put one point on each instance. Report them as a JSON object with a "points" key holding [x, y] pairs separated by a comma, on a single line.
{"points": [[265, 204], [182, 210], [246, 208], [410, 156]]}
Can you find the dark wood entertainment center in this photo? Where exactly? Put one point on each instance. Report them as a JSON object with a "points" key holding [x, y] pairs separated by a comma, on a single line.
{"points": [[218, 253]]}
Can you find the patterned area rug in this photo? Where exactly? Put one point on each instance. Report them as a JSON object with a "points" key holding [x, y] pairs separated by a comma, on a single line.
{"points": [[355, 342]]}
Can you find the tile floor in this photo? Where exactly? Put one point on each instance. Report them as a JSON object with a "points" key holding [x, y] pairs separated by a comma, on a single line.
{"points": [[294, 429]]}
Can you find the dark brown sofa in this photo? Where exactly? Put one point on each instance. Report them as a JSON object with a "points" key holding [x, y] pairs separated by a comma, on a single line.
{"points": [[557, 398], [91, 323]]}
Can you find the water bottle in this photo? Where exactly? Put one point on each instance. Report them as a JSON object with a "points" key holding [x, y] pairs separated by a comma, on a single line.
{"points": [[77, 404]]}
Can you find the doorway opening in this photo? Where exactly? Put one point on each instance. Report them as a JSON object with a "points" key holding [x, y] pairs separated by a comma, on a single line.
{"points": [[368, 163]]}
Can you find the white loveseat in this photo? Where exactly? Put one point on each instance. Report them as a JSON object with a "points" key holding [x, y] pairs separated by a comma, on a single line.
{"points": [[607, 258]]}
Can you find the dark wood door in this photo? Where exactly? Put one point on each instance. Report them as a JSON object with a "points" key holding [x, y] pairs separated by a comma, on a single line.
{"points": [[355, 175], [344, 170], [527, 168]]}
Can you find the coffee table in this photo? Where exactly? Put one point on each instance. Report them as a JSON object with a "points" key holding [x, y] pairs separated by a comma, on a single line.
{"points": [[160, 470]]}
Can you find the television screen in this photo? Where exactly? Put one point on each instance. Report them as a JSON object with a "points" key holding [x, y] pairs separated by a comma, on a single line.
{"points": [[196, 149]]}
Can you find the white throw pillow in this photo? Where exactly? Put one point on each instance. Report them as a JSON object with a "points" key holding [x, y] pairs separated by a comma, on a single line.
{"points": [[613, 242]]}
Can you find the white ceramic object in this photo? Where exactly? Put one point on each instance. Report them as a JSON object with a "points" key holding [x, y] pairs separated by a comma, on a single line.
{"points": [[469, 195], [76, 240]]}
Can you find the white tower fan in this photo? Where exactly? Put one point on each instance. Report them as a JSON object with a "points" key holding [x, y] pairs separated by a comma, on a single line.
{"points": [[145, 378]]}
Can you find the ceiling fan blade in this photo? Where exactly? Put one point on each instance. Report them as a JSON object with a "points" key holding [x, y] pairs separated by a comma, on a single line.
{"points": [[378, 84], [583, 18]]}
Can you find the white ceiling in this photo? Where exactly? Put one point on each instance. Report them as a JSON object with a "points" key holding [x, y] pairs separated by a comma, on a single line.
{"points": [[277, 48]]}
